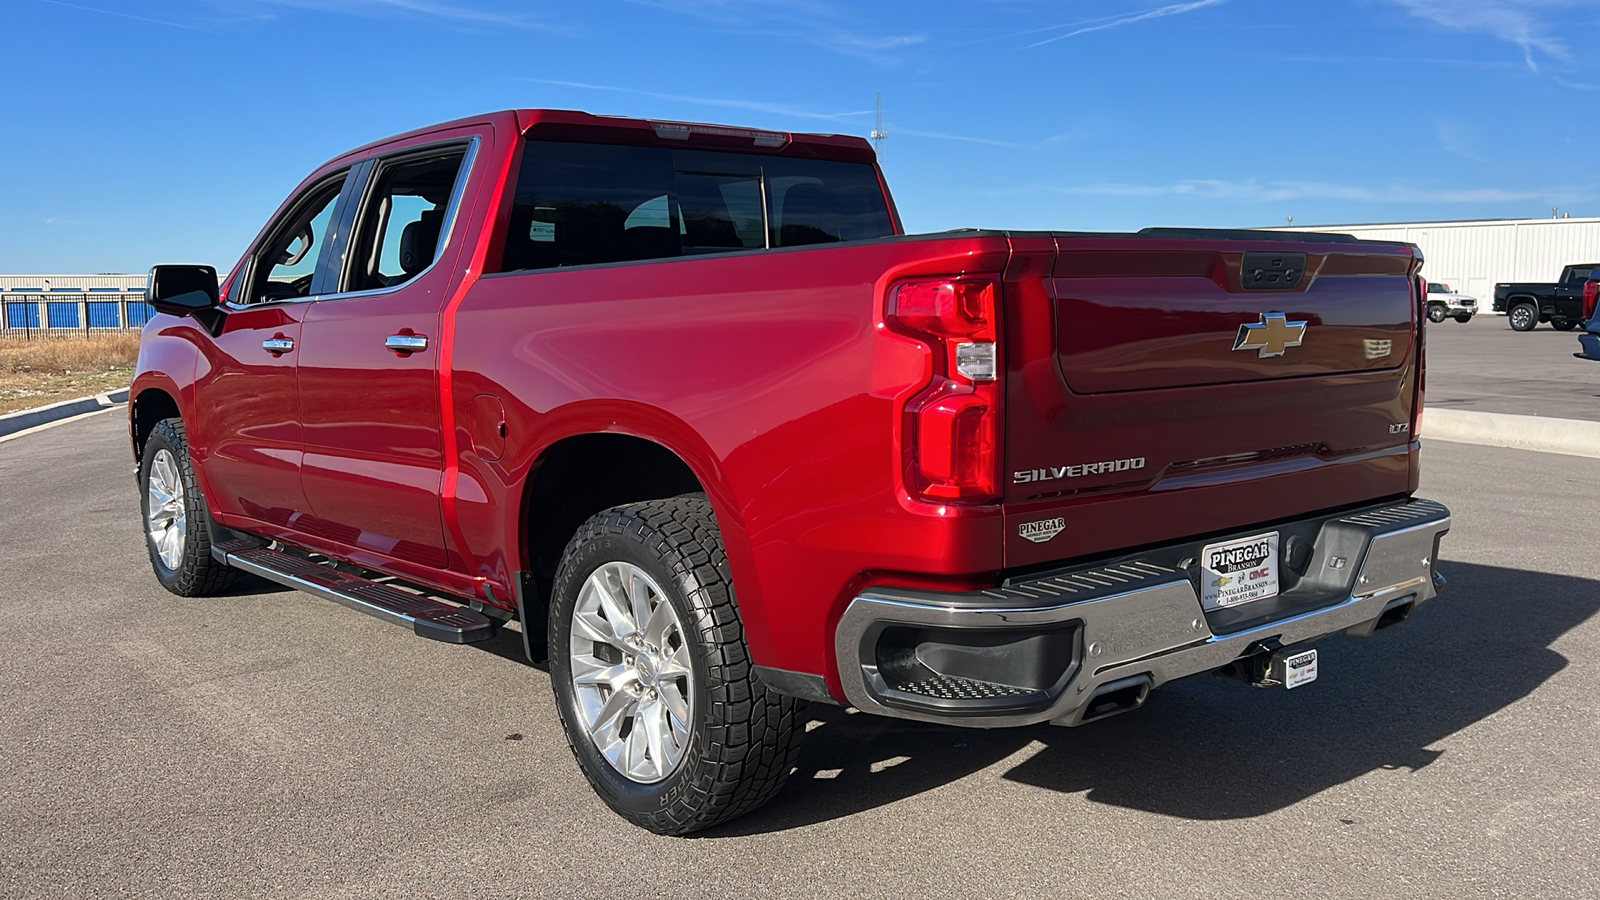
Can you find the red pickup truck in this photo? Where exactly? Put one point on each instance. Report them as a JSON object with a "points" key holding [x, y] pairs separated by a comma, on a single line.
{"points": [[685, 404]]}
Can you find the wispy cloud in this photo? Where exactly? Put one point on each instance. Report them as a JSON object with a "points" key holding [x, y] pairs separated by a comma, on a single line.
{"points": [[1105, 22], [1403, 61], [772, 109], [1515, 21], [454, 13], [1457, 139], [837, 118], [63, 220], [1041, 146], [123, 15], [809, 21], [1255, 191]]}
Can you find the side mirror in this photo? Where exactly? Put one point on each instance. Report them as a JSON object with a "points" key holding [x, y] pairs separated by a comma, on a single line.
{"points": [[182, 290]]}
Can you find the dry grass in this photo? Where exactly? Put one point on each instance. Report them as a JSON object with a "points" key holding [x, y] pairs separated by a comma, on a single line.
{"points": [[65, 355], [48, 370]]}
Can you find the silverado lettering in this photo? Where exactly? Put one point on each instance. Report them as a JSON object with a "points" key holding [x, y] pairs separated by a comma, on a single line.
{"points": [[1058, 472], [686, 408]]}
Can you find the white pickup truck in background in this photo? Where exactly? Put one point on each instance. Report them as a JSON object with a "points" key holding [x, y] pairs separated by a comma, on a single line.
{"points": [[1444, 303]]}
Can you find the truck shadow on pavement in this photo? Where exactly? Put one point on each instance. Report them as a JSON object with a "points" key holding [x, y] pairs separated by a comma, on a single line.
{"points": [[1210, 749]]}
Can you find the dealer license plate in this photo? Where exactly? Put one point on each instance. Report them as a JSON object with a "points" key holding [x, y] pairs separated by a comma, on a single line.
{"points": [[1239, 571]]}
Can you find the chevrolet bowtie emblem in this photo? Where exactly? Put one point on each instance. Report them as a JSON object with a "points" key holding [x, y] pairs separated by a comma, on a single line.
{"points": [[1274, 334]]}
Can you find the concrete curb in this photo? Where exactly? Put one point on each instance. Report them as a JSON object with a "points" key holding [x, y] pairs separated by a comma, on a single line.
{"points": [[11, 423], [1573, 437]]}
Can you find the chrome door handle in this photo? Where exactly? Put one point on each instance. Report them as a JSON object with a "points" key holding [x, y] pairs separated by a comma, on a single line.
{"points": [[406, 343], [278, 345]]}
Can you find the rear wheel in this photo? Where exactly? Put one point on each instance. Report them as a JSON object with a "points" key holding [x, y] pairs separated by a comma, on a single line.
{"points": [[1563, 324], [652, 677], [1524, 317], [1464, 318], [176, 523], [1436, 312]]}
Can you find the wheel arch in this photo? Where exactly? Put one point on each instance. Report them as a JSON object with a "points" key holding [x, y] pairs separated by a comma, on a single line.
{"points": [[152, 404], [579, 475]]}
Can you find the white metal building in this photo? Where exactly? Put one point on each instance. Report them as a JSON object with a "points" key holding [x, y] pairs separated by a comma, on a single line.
{"points": [[57, 303], [1472, 257]]}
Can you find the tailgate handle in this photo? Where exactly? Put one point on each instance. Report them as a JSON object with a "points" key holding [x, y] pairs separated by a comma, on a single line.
{"points": [[1272, 271]]}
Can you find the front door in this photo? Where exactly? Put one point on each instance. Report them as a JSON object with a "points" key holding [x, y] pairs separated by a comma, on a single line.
{"points": [[248, 435], [369, 366]]}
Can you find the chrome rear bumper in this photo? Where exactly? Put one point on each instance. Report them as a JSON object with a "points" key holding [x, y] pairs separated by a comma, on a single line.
{"points": [[1046, 648]]}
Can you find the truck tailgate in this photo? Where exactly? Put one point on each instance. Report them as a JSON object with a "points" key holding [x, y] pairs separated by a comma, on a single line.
{"points": [[1161, 387]]}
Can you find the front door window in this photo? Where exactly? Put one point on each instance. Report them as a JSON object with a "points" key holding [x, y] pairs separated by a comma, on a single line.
{"points": [[287, 263]]}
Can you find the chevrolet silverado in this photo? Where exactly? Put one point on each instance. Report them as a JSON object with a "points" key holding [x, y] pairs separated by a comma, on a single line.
{"points": [[685, 406]]}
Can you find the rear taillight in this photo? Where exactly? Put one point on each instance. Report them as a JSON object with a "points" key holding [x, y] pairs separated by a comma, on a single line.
{"points": [[1591, 290], [1422, 355], [952, 427]]}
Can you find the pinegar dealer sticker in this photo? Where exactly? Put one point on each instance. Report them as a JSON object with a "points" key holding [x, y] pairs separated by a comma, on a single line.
{"points": [[1239, 571]]}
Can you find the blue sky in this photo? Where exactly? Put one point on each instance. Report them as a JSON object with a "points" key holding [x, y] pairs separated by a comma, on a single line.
{"points": [[141, 132]]}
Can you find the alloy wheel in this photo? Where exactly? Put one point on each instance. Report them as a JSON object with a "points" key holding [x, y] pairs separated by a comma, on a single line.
{"points": [[631, 677], [165, 519]]}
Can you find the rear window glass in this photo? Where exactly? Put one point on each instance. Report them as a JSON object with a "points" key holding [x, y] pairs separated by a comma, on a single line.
{"points": [[581, 204]]}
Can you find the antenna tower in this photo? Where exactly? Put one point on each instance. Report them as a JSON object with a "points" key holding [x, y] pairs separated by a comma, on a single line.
{"points": [[878, 134]]}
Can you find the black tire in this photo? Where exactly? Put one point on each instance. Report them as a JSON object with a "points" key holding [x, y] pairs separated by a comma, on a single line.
{"points": [[743, 739], [1437, 312], [196, 573], [1563, 324], [1523, 317], [1464, 318]]}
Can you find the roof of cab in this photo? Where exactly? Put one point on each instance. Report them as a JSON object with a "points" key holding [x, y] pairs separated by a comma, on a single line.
{"points": [[573, 125]]}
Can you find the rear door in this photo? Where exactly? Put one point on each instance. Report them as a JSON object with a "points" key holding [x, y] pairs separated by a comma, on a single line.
{"points": [[1165, 387], [1568, 302], [369, 364]]}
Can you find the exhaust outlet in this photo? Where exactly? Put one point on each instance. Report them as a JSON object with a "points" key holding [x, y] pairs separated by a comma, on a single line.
{"points": [[1394, 613], [1116, 697]]}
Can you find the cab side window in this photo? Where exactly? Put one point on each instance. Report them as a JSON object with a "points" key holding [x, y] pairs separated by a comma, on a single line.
{"points": [[402, 225], [285, 266]]}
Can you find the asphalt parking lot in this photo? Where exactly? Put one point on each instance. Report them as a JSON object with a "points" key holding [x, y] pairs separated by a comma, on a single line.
{"points": [[1484, 366], [270, 744]]}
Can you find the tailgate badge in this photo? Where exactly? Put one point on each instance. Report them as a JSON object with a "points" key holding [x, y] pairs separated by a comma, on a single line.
{"points": [[1272, 335], [1043, 530]]}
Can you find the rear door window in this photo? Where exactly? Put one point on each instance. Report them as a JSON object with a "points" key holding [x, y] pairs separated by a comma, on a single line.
{"points": [[584, 204], [403, 227]]}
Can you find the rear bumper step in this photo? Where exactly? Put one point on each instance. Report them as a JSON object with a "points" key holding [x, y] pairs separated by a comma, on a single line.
{"points": [[1080, 644], [429, 618]]}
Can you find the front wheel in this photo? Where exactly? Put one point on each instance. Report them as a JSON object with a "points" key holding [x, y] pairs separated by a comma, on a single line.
{"points": [[652, 678], [176, 524], [1464, 318], [1436, 313], [1524, 317], [1563, 324]]}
